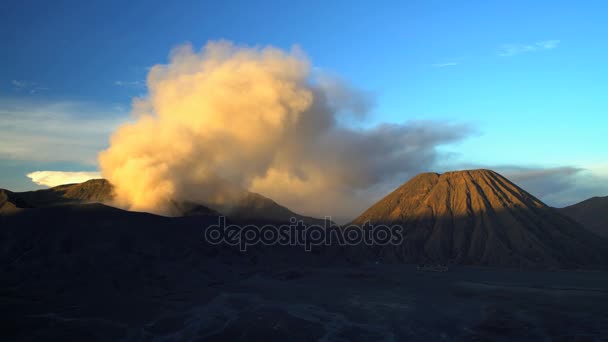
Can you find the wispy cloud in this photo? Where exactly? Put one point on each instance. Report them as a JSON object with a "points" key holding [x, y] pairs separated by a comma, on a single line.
{"points": [[508, 50], [443, 65], [19, 84], [131, 84], [54, 178], [55, 131], [28, 86]]}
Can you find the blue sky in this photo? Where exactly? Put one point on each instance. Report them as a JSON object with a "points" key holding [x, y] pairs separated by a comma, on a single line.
{"points": [[530, 78]]}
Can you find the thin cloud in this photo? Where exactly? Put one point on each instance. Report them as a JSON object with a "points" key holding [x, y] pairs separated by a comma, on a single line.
{"points": [[443, 65], [131, 84], [55, 178], [27, 86], [509, 50], [19, 84], [55, 131]]}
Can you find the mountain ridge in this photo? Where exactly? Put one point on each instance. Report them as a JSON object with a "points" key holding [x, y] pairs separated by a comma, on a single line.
{"points": [[248, 206]]}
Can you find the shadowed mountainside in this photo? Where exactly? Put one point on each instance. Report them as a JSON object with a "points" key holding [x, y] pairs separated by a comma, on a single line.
{"points": [[248, 206], [479, 217], [469, 217], [252, 206], [591, 213], [11, 203], [89, 272], [76, 271]]}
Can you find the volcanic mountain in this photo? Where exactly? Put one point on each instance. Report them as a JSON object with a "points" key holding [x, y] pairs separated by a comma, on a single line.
{"points": [[591, 213], [247, 206], [480, 217]]}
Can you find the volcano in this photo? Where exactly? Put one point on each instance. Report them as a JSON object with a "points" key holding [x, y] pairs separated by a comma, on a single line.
{"points": [[479, 217]]}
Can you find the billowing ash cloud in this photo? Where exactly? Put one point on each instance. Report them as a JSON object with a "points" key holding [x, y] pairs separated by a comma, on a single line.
{"points": [[230, 116], [54, 178]]}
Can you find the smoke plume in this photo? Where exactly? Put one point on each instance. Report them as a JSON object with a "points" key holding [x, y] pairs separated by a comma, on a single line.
{"points": [[229, 118]]}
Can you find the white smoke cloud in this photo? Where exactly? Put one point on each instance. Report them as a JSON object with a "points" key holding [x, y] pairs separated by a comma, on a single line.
{"points": [[54, 178], [231, 117]]}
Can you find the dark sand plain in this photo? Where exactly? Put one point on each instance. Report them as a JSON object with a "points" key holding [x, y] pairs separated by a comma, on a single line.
{"points": [[91, 272]]}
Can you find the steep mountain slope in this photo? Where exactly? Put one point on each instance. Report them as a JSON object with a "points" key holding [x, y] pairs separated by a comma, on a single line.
{"points": [[591, 213], [479, 217]]}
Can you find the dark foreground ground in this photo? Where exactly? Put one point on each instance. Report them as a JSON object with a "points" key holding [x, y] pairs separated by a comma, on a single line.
{"points": [[373, 303], [89, 274]]}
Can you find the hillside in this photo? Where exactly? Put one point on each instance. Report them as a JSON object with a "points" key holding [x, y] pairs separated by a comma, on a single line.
{"points": [[248, 206], [591, 213]]}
